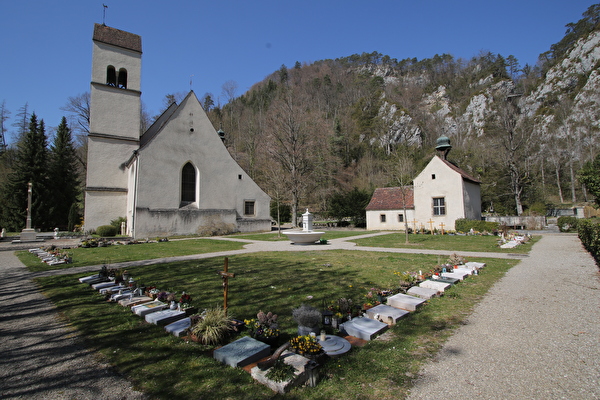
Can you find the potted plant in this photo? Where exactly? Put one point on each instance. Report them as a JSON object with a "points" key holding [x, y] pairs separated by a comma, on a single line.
{"points": [[308, 319], [307, 346], [211, 327], [264, 327], [185, 304]]}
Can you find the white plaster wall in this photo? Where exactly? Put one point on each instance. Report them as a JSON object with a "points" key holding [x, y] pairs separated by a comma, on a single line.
{"points": [[102, 207], [105, 54], [105, 160], [391, 221], [219, 187], [447, 184], [115, 111]]}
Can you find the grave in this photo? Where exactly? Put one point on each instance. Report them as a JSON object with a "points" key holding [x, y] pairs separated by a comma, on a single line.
{"points": [[474, 265], [164, 317], [179, 328], [455, 275], [102, 285], [465, 270], [90, 280], [297, 361], [147, 308], [363, 328], [451, 281], [134, 301], [121, 295], [242, 352], [86, 278], [405, 302], [436, 285], [334, 346], [422, 292], [387, 314], [111, 289]]}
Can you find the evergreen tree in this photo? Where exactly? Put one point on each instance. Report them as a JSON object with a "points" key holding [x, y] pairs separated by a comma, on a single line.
{"points": [[30, 166], [64, 182]]}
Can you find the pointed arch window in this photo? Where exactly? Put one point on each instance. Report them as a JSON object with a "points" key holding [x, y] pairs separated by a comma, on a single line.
{"points": [[122, 83], [188, 184], [111, 76]]}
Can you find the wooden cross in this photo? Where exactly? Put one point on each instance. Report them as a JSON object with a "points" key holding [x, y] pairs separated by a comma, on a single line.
{"points": [[430, 222], [226, 275], [442, 225], [414, 222]]}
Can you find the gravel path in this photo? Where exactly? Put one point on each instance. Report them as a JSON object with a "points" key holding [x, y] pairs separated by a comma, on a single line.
{"points": [[40, 356], [536, 334]]}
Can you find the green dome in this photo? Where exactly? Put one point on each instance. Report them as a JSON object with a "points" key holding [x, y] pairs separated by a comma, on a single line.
{"points": [[443, 143]]}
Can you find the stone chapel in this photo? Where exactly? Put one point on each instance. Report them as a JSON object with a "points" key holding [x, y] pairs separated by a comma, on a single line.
{"points": [[176, 178]]}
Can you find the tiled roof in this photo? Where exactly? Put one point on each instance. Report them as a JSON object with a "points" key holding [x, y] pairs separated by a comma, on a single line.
{"points": [[460, 171], [116, 37], [392, 198]]}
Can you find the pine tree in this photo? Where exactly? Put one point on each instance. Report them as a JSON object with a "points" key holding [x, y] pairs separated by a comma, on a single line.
{"points": [[64, 182], [30, 166]]}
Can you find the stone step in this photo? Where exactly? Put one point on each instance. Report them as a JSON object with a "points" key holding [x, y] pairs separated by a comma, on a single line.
{"points": [[179, 328], [164, 317], [422, 292], [436, 285], [363, 328], [386, 314], [405, 302]]}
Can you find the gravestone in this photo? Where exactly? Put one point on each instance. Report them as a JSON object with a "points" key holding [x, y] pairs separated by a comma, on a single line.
{"points": [[334, 346], [455, 275], [474, 265], [451, 281], [422, 292], [164, 317], [134, 301], [179, 328], [147, 308], [300, 376], [111, 289], [439, 286], [85, 279], [242, 352], [363, 328], [405, 302], [387, 314], [102, 285]]}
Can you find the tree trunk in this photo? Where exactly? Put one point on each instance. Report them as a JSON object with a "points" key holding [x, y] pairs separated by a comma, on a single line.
{"points": [[560, 194], [572, 172]]}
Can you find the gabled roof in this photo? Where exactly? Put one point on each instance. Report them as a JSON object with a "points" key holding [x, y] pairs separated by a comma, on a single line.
{"points": [[392, 198], [117, 37], [464, 175]]}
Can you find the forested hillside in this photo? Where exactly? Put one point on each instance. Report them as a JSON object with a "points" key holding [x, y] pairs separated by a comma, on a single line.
{"points": [[311, 131]]}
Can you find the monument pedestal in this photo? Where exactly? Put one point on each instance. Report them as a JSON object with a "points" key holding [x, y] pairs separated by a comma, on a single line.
{"points": [[28, 235]]}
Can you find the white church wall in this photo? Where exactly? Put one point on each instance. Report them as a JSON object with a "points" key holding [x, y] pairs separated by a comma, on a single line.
{"points": [[391, 217]]}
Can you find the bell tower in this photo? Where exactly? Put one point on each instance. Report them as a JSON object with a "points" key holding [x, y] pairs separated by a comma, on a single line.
{"points": [[115, 111]]}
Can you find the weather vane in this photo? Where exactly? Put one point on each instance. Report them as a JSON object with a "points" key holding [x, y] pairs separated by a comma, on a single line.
{"points": [[191, 76], [104, 7]]}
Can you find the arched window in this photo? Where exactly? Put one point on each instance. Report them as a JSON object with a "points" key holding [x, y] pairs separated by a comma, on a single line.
{"points": [[122, 78], [111, 76], [188, 184]]}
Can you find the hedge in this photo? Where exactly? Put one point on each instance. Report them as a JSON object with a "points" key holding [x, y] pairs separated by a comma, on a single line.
{"points": [[465, 225], [567, 223], [106, 230], [589, 234]]}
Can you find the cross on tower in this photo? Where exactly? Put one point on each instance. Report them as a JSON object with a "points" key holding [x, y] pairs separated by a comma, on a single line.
{"points": [[226, 275]]}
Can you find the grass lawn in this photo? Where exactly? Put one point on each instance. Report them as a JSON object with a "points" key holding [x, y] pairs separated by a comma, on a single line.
{"points": [[274, 236], [444, 242], [166, 367], [134, 252]]}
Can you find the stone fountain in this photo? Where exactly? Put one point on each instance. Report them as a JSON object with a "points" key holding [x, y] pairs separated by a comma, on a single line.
{"points": [[306, 235]]}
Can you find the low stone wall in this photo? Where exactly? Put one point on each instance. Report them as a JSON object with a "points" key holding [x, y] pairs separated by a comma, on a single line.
{"points": [[522, 222]]}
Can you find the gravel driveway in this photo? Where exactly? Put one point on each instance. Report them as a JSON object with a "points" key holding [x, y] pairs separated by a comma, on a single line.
{"points": [[40, 357], [535, 335]]}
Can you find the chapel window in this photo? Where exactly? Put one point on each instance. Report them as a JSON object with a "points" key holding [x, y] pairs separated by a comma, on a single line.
{"points": [[400, 217], [382, 218], [188, 184], [439, 206], [122, 83], [111, 76], [249, 208]]}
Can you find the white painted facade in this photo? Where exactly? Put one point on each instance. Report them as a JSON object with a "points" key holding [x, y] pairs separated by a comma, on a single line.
{"points": [[142, 177], [443, 193]]}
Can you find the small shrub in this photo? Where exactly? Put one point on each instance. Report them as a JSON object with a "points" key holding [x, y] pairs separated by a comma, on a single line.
{"points": [[306, 315], [106, 230], [281, 372], [465, 225], [567, 224], [213, 326]]}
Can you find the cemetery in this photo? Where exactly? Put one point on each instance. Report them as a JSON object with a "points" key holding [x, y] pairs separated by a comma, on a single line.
{"points": [[345, 328]]}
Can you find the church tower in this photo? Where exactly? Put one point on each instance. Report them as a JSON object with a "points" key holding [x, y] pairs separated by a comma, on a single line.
{"points": [[115, 112]]}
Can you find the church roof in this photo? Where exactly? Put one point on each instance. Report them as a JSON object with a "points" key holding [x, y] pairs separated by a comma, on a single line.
{"points": [[117, 37], [392, 198], [460, 171]]}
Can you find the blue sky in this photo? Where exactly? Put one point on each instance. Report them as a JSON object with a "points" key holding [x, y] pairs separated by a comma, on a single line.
{"points": [[46, 45]]}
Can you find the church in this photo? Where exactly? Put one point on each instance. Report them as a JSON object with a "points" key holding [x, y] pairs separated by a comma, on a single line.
{"points": [[440, 194], [177, 177]]}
